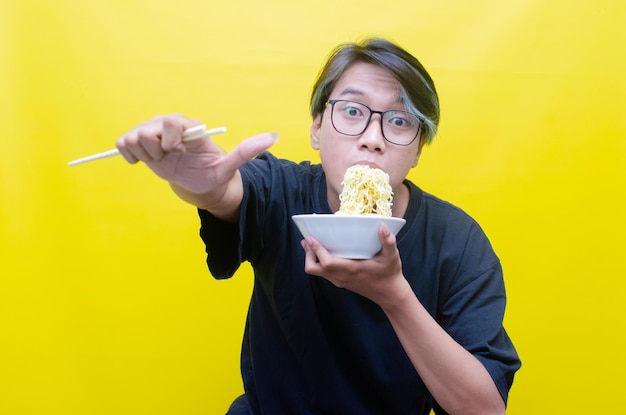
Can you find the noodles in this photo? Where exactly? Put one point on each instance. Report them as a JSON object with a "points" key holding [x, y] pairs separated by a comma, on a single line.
{"points": [[366, 190]]}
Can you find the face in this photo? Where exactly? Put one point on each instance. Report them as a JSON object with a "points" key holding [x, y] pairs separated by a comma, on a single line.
{"points": [[377, 88]]}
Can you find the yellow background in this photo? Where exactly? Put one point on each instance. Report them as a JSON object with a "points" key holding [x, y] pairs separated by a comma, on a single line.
{"points": [[105, 303]]}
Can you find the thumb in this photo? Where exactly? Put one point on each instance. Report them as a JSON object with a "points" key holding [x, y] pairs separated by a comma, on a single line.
{"points": [[387, 239], [249, 148]]}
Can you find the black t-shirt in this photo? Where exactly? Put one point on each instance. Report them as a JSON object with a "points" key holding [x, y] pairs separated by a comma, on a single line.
{"points": [[312, 348]]}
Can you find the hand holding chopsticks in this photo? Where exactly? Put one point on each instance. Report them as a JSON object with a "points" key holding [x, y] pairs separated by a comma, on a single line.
{"points": [[190, 134]]}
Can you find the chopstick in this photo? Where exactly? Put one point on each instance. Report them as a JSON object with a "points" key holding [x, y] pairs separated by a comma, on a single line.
{"points": [[190, 134]]}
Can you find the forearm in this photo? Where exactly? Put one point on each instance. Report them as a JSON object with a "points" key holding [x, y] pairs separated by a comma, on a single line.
{"points": [[223, 202], [456, 379]]}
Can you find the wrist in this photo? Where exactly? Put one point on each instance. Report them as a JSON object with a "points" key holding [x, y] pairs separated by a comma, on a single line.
{"points": [[223, 202], [398, 296]]}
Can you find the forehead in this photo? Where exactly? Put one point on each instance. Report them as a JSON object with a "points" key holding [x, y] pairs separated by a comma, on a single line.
{"points": [[367, 79]]}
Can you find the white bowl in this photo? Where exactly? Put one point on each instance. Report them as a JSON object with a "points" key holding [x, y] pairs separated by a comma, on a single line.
{"points": [[347, 236]]}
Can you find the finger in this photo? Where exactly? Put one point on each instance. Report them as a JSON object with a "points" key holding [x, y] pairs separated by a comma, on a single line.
{"points": [[153, 149], [146, 144], [322, 255], [387, 239], [131, 148], [173, 128], [311, 266], [120, 144], [129, 144], [249, 149]]}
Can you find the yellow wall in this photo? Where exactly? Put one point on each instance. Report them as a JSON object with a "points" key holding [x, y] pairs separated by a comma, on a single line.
{"points": [[105, 303]]}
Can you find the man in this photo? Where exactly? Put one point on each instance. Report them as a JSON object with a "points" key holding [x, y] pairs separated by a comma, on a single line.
{"points": [[418, 326]]}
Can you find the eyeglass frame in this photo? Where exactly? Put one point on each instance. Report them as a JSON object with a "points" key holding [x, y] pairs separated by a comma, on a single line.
{"points": [[332, 103]]}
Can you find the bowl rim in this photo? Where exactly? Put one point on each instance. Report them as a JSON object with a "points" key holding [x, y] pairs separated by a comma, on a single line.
{"points": [[369, 216]]}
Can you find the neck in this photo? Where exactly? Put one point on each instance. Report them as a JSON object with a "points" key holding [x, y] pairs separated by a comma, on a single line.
{"points": [[401, 197]]}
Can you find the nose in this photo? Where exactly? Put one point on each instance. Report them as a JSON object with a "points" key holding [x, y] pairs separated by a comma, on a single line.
{"points": [[372, 138]]}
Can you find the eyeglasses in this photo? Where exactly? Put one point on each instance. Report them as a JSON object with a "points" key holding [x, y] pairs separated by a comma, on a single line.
{"points": [[352, 118]]}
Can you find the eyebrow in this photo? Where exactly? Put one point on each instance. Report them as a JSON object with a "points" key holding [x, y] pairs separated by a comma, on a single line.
{"points": [[352, 91]]}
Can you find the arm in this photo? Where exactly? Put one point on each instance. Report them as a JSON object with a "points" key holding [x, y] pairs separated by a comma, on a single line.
{"points": [[199, 171], [455, 378], [223, 203]]}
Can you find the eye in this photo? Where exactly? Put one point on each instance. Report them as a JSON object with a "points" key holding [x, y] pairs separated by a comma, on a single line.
{"points": [[351, 111], [398, 122], [401, 119]]}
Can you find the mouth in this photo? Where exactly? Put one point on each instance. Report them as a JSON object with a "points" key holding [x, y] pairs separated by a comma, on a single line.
{"points": [[370, 164]]}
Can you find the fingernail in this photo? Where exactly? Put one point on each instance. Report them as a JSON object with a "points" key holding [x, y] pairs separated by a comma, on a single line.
{"points": [[274, 136], [385, 231]]}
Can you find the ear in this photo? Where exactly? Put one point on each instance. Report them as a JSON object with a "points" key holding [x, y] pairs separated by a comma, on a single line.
{"points": [[315, 131], [418, 153]]}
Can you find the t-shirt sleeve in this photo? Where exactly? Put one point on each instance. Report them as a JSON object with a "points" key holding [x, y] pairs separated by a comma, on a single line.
{"points": [[478, 327], [221, 241], [473, 311], [230, 244]]}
